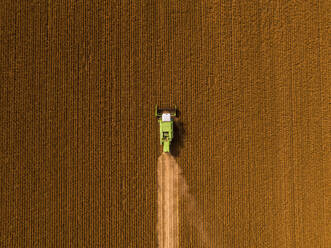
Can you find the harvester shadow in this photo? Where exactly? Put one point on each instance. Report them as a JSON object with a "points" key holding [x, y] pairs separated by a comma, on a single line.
{"points": [[179, 132]]}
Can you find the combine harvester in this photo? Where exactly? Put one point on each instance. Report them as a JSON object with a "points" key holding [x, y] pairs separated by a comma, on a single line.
{"points": [[165, 119]]}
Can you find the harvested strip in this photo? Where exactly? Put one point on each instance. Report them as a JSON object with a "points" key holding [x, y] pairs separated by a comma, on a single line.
{"points": [[168, 201]]}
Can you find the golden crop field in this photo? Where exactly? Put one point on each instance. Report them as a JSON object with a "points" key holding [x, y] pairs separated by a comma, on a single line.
{"points": [[79, 142]]}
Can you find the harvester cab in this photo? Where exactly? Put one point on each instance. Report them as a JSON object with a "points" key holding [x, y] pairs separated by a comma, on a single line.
{"points": [[165, 119]]}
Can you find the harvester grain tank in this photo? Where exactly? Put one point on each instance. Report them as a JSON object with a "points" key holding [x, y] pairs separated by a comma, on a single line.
{"points": [[165, 119]]}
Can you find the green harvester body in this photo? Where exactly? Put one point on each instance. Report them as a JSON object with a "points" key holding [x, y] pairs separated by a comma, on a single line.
{"points": [[165, 119]]}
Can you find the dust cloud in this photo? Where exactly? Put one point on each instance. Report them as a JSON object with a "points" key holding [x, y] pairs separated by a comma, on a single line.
{"points": [[173, 196]]}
